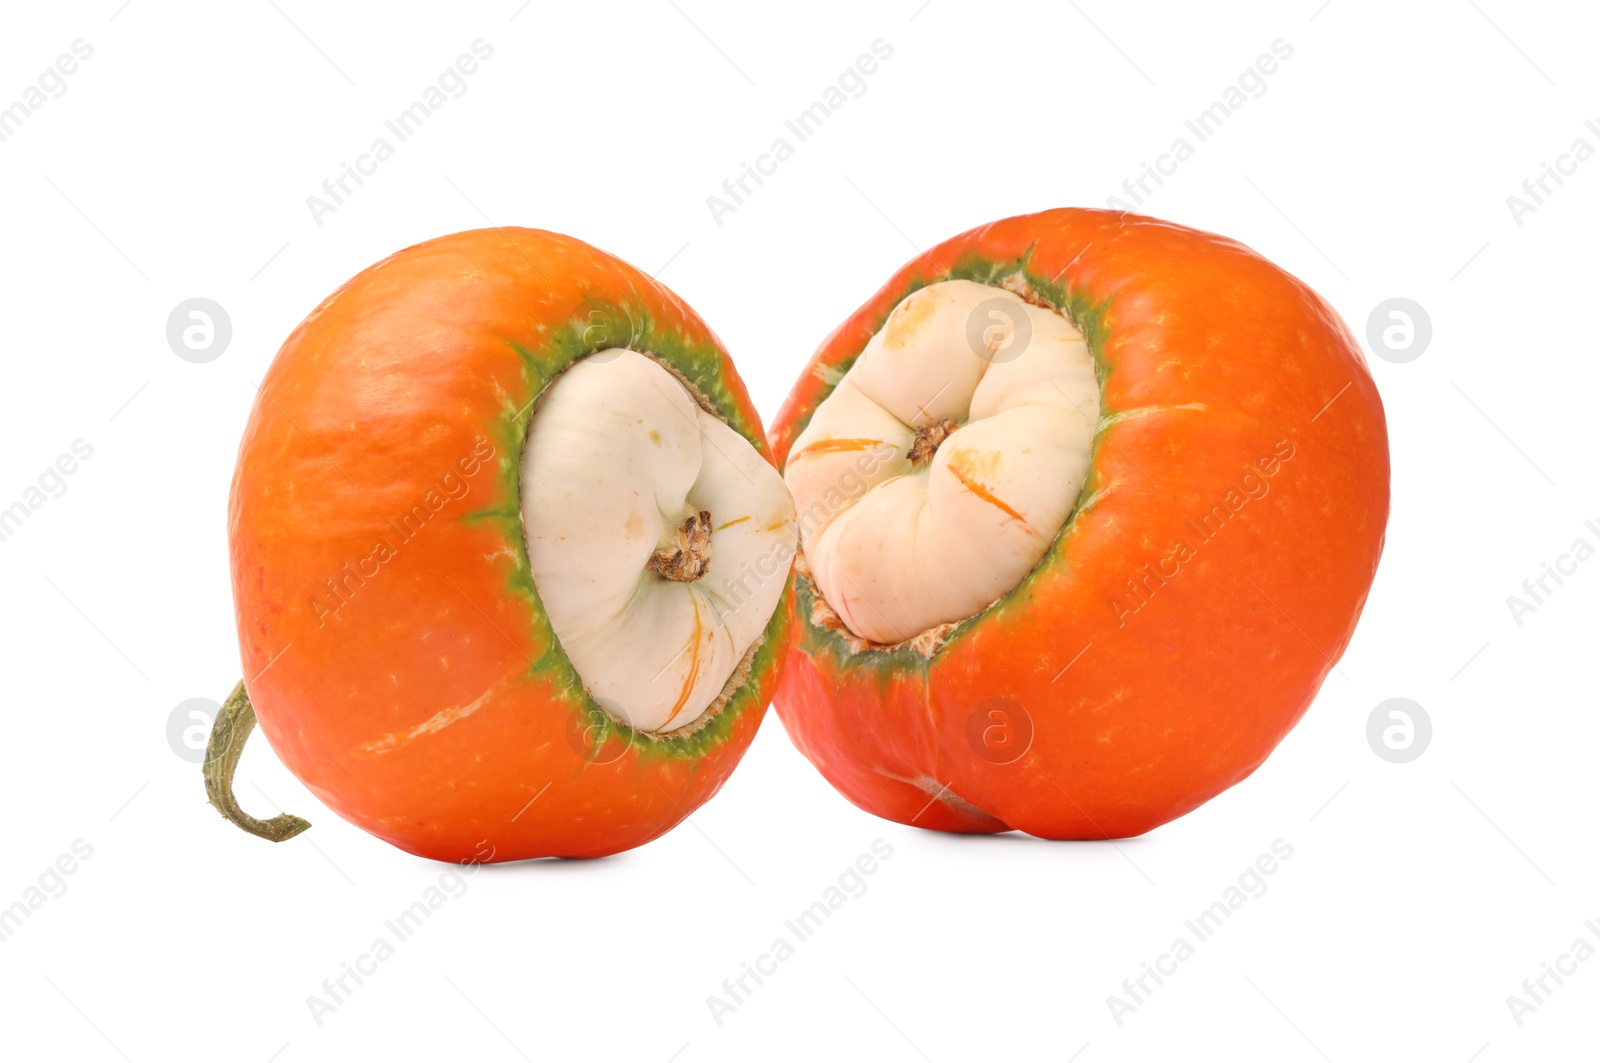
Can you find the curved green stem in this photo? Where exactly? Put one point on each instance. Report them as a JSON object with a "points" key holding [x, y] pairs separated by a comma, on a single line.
{"points": [[234, 722]]}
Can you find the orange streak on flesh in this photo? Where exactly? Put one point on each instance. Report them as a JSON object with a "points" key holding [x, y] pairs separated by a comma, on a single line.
{"points": [[694, 664], [989, 496], [731, 523], [836, 446]]}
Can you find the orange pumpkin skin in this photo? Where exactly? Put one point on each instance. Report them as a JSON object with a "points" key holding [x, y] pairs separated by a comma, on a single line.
{"points": [[392, 639], [1151, 677]]}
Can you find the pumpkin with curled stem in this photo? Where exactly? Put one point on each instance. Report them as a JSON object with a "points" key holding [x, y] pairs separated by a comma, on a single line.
{"points": [[511, 563]]}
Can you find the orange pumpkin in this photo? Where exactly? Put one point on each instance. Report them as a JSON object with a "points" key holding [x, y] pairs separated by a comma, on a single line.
{"points": [[1182, 619], [397, 653]]}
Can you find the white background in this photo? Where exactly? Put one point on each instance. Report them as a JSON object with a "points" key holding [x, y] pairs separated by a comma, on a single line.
{"points": [[1377, 164]]}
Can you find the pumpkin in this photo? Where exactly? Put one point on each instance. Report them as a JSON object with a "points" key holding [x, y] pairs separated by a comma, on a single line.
{"points": [[511, 563], [1089, 505]]}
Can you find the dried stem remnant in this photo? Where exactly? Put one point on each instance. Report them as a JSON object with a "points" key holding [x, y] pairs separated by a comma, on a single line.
{"points": [[691, 557], [929, 436]]}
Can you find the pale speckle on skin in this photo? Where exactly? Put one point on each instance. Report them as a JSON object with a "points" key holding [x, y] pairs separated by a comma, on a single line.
{"points": [[1146, 411], [437, 722]]}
